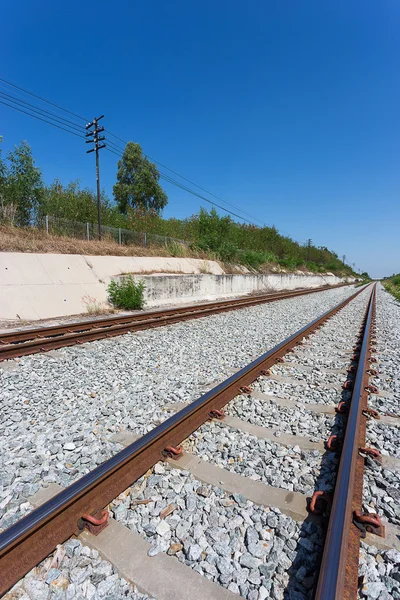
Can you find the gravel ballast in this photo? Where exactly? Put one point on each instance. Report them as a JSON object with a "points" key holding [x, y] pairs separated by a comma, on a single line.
{"points": [[126, 384], [380, 571], [294, 421], [252, 550], [74, 572], [63, 408], [287, 467]]}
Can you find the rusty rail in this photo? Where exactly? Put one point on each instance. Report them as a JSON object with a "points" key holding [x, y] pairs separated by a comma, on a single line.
{"points": [[338, 576], [42, 339], [31, 539]]}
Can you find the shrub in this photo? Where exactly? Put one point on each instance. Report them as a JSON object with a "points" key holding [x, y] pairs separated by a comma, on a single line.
{"points": [[228, 252], [256, 259], [289, 263], [126, 293], [396, 280]]}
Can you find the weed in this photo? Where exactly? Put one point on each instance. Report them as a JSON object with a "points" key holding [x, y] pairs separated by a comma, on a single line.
{"points": [[204, 268], [177, 250], [126, 293], [93, 307]]}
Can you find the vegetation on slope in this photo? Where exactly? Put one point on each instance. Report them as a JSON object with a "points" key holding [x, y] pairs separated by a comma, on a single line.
{"points": [[392, 285], [25, 200]]}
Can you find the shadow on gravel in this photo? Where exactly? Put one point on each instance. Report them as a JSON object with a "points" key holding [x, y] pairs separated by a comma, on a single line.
{"points": [[303, 575]]}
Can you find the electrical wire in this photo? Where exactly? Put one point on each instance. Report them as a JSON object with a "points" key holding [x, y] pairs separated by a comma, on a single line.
{"points": [[65, 121], [43, 100], [193, 183], [69, 125], [40, 119], [186, 189], [40, 111]]}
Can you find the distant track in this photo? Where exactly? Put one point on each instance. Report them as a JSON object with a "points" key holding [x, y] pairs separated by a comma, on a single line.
{"points": [[42, 339]]}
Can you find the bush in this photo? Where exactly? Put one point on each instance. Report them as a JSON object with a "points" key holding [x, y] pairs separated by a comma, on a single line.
{"points": [[289, 263], [254, 259], [228, 252], [126, 293], [396, 280]]}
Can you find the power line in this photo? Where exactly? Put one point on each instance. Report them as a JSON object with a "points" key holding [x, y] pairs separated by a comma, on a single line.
{"points": [[41, 111], [186, 189], [71, 125], [42, 99], [40, 119], [193, 183], [149, 157]]}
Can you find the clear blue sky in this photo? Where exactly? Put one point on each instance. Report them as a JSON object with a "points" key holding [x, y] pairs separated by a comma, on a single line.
{"points": [[288, 110]]}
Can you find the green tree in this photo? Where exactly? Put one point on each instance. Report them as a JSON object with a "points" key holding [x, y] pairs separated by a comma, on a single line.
{"points": [[137, 182], [23, 186]]}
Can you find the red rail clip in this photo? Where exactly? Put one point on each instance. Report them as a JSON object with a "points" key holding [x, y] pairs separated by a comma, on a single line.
{"points": [[217, 414], [352, 369], [355, 357], [173, 452], [370, 412], [265, 372], [348, 385], [94, 523], [372, 452], [366, 522], [373, 372], [245, 389], [342, 408], [372, 359], [372, 388], [334, 443], [280, 359], [320, 503]]}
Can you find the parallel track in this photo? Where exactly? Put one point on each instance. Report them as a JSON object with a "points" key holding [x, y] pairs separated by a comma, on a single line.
{"points": [[339, 569], [31, 539], [42, 339]]}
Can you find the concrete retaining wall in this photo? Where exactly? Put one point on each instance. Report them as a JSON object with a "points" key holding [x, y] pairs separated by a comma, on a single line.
{"points": [[40, 286], [162, 289]]}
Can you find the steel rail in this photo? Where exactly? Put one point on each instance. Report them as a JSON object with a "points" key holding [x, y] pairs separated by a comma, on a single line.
{"points": [[21, 343], [339, 567], [30, 540]]}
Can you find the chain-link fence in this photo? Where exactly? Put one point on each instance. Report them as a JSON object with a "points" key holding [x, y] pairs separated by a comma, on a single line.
{"points": [[89, 231]]}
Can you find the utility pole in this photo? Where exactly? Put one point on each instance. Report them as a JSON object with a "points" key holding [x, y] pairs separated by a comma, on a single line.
{"points": [[344, 258], [94, 133], [309, 244]]}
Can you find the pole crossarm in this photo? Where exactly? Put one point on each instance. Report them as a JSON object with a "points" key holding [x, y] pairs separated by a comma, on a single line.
{"points": [[94, 138]]}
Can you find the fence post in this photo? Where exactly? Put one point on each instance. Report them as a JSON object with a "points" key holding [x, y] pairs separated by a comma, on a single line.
{"points": [[47, 224], [87, 231], [165, 241], [145, 239], [119, 236]]}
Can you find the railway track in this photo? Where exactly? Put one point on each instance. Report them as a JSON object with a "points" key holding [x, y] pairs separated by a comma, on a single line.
{"points": [[81, 505], [31, 341]]}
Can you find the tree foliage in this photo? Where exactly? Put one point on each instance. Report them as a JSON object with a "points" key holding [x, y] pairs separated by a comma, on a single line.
{"points": [[21, 185], [137, 182], [25, 200]]}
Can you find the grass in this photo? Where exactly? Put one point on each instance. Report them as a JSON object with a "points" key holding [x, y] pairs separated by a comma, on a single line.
{"points": [[94, 307], [29, 239], [392, 285], [13, 239]]}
